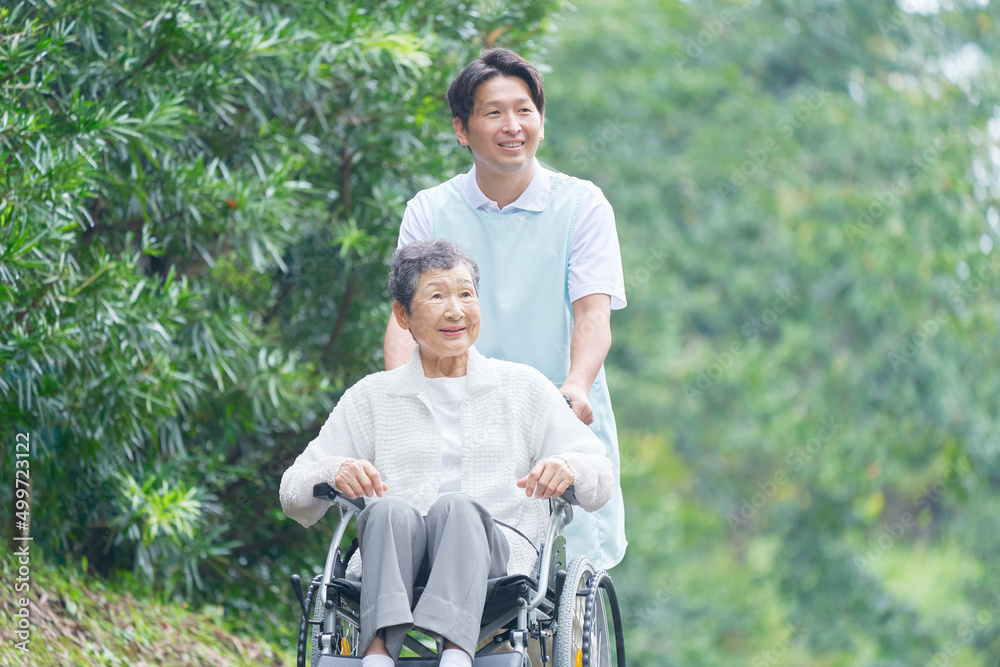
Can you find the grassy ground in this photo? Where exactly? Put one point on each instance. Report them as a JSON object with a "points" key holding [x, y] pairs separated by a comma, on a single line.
{"points": [[76, 620]]}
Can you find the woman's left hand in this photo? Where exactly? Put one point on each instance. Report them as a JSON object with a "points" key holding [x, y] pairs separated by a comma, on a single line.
{"points": [[548, 479]]}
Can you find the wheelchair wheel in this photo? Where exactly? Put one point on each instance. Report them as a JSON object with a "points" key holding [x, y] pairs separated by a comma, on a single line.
{"points": [[346, 638], [583, 637], [314, 631]]}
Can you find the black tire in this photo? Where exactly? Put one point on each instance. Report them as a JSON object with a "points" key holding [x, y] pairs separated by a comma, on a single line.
{"points": [[583, 638], [307, 631], [314, 630], [602, 600], [571, 613], [347, 637]]}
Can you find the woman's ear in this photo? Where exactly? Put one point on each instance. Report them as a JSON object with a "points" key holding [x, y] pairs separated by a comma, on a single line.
{"points": [[402, 319]]}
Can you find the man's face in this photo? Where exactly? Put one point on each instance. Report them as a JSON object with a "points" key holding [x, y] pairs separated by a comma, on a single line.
{"points": [[505, 126]]}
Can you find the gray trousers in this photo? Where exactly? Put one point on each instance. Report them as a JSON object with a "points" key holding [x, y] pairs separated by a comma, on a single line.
{"points": [[453, 551]]}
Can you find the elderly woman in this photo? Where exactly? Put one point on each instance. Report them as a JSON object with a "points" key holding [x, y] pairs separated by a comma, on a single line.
{"points": [[458, 454]]}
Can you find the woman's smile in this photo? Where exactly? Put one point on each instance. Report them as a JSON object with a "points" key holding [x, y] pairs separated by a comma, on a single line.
{"points": [[444, 320]]}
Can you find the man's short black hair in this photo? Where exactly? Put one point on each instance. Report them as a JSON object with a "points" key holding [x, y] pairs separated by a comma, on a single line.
{"points": [[492, 63]]}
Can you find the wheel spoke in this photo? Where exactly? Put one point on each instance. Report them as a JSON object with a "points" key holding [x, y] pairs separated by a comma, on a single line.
{"points": [[586, 607], [569, 649]]}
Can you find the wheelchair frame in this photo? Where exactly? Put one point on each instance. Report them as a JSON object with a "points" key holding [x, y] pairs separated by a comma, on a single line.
{"points": [[581, 640]]}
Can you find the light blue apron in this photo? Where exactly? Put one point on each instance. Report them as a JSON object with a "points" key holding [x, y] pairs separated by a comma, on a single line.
{"points": [[527, 317]]}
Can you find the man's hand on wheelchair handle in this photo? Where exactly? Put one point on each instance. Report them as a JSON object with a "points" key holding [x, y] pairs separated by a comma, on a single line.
{"points": [[358, 477], [579, 401], [548, 479]]}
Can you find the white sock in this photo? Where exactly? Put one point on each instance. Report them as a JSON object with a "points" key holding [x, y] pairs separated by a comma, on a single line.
{"points": [[455, 657], [377, 661]]}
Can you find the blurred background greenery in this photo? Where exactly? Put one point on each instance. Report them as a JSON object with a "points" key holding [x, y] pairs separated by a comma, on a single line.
{"points": [[198, 203]]}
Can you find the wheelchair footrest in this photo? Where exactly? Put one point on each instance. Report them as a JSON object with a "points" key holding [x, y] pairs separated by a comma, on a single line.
{"points": [[509, 659]]}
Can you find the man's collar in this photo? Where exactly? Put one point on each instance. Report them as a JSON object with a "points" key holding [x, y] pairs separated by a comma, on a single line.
{"points": [[534, 197]]}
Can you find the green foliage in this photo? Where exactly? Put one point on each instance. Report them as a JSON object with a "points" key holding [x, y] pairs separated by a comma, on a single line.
{"points": [[197, 201], [116, 628], [163, 524], [808, 208]]}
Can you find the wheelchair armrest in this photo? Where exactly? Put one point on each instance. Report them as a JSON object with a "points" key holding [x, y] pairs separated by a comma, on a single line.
{"points": [[569, 495], [327, 491]]}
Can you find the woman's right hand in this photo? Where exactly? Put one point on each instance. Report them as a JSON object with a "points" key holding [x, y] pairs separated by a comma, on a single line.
{"points": [[358, 477]]}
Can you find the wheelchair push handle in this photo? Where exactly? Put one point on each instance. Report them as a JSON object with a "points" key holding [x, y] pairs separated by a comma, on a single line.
{"points": [[327, 491]]}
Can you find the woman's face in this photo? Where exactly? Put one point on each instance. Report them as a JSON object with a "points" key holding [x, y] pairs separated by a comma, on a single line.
{"points": [[444, 317]]}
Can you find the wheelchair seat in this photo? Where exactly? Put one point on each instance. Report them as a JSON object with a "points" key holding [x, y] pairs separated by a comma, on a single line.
{"points": [[563, 606], [492, 660], [502, 593]]}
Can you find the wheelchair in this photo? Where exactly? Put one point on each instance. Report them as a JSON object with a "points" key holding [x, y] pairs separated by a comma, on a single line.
{"points": [[565, 606]]}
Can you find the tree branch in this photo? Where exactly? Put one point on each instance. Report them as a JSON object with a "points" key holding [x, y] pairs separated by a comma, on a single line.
{"points": [[152, 56], [286, 289], [345, 179], [342, 309]]}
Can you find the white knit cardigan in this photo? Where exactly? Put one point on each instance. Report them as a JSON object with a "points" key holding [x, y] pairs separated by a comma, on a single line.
{"points": [[511, 417]]}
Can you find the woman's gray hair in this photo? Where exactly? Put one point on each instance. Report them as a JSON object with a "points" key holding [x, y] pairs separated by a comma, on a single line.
{"points": [[415, 258]]}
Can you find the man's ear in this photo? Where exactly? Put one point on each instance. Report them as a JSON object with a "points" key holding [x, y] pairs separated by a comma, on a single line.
{"points": [[541, 129], [460, 131], [402, 319]]}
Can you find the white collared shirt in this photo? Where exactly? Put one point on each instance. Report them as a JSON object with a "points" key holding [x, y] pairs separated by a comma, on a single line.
{"points": [[533, 198], [595, 265]]}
